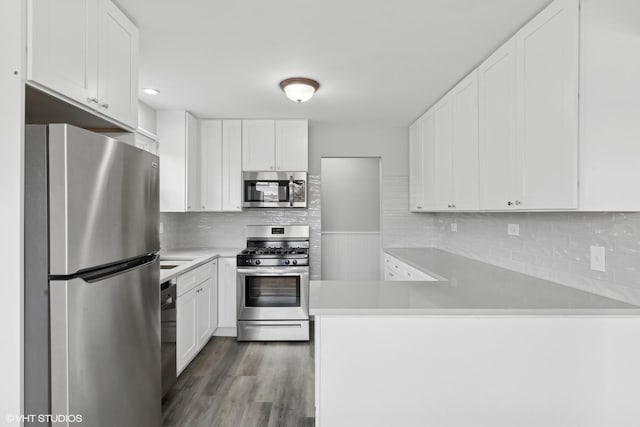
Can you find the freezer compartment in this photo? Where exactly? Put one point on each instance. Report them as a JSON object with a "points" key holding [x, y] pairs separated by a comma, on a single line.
{"points": [[105, 347], [103, 200]]}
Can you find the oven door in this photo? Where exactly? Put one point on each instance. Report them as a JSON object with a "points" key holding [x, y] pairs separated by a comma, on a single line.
{"points": [[273, 293], [274, 190]]}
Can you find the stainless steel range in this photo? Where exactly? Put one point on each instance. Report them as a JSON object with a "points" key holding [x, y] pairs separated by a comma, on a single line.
{"points": [[273, 284]]}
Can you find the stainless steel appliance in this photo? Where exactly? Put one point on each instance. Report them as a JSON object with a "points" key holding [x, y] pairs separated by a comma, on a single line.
{"points": [[168, 334], [92, 303], [274, 189], [273, 284]]}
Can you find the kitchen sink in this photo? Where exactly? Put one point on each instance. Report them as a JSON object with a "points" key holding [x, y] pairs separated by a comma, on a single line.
{"points": [[171, 263]]}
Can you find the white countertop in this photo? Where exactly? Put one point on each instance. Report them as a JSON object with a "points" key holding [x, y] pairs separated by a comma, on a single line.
{"points": [[471, 288], [191, 258]]}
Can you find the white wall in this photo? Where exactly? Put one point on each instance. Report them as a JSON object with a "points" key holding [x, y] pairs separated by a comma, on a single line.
{"points": [[391, 144], [11, 152]]}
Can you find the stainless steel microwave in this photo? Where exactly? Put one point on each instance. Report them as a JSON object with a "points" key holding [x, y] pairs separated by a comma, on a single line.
{"points": [[274, 189]]}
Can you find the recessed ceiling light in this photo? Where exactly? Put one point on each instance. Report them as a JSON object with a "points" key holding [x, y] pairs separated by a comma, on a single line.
{"points": [[150, 91], [299, 89]]}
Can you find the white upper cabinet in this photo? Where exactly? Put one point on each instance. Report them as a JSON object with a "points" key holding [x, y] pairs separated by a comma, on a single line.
{"points": [[499, 162], [86, 51], [178, 148], [221, 164], [416, 200], [117, 64], [443, 154], [275, 145], [211, 166], [292, 145], [231, 165], [548, 122], [464, 98], [547, 127], [59, 37], [204, 327], [422, 181], [258, 145]]}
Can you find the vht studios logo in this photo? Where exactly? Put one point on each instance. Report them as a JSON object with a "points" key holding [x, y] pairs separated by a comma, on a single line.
{"points": [[42, 418]]}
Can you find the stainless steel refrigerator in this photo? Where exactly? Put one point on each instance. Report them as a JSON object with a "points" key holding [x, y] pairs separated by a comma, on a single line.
{"points": [[92, 291]]}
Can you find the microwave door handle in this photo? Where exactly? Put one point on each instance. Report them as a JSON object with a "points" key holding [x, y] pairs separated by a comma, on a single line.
{"points": [[290, 190]]}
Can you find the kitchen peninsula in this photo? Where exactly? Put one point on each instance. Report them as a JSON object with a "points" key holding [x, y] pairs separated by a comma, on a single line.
{"points": [[492, 341]]}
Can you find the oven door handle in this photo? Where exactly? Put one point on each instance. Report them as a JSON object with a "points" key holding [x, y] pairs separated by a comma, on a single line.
{"points": [[268, 271]]}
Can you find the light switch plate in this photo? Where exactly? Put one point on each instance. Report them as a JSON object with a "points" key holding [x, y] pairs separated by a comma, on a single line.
{"points": [[161, 228], [454, 228], [598, 262], [513, 229]]}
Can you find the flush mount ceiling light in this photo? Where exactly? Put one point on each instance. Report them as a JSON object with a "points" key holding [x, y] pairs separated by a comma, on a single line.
{"points": [[150, 91], [299, 89]]}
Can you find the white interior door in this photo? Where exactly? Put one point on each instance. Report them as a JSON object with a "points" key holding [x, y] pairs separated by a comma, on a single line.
{"points": [[351, 244]]}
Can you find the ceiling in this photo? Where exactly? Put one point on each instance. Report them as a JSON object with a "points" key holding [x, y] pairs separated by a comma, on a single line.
{"points": [[377, 61]]}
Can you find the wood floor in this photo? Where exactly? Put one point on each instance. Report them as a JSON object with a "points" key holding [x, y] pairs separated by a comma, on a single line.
{"points": [[244, 384]]}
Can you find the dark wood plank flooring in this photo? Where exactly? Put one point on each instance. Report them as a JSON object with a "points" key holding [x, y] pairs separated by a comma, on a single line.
{"points": [[244, 384]]}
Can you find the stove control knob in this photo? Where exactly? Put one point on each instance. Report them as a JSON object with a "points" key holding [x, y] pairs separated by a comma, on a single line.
{"points": [[287, 262], [257, 262], [295, 262]]}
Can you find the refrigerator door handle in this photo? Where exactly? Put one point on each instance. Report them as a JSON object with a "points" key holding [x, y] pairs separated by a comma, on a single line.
{"points": [[101, 273]]}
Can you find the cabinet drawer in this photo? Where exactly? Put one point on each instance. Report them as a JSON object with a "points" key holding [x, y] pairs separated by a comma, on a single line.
{"points": [[191, 279], [203, 273]]}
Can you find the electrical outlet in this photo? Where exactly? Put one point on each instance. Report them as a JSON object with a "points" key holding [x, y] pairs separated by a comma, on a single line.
{"points": [[454, 228], [161, 228], [513, 229], [597, 258]]}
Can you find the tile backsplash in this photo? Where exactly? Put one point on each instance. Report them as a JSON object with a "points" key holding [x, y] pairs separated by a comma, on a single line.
{"points": [[552, 246], [227, 229]]}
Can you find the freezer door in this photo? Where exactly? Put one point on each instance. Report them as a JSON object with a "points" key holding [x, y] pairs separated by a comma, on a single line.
{"points": [[105, 348], [103, 200]]}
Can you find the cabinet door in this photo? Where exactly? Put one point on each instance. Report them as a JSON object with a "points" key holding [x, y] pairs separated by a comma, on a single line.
{"points": [[416, 191], [186, 336], [232, 165], [548, 70], [211, 165], [214, 296], [464, 98], [292, 145], [443, 112], [227, 308], [62, 43], [117, 65], [193, 163], [203, 313], [258, 145], [499, 166], [428, 161]]}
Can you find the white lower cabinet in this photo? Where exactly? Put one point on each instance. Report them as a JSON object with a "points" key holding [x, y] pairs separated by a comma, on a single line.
{"points": [[195, 313], [186, 324], [227, 297], [214, 296]]}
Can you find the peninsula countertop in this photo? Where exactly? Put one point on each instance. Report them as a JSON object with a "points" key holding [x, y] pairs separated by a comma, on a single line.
{"points": [[190, 258], [469, 287]]}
